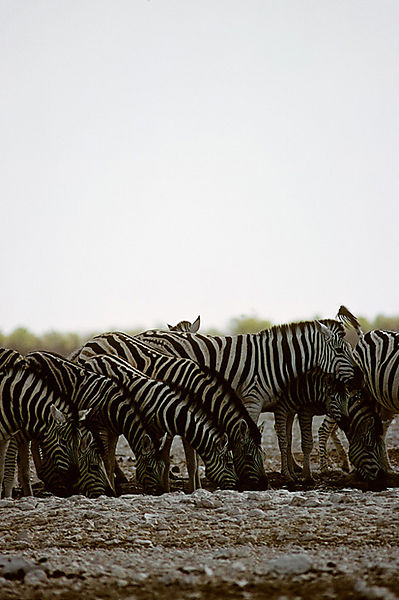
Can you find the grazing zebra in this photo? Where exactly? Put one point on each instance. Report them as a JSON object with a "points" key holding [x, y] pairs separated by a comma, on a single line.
{"points": [[34, 410], [214, 395], [258, 366], [93, 480], [364, 431], [109, 412], [376, 354], [316, 393], [175, 413], [186, 326]]}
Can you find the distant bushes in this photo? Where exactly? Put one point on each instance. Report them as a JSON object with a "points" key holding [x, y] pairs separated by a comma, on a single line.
{"points": [[25, 341]]}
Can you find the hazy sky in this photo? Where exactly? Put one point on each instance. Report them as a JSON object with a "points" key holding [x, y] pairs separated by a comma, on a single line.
{"points": [[168, 158]]}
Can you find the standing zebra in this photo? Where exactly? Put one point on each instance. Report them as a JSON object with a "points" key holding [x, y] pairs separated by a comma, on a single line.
{"points": [[207, 389], [259, 366], [175, 413]]}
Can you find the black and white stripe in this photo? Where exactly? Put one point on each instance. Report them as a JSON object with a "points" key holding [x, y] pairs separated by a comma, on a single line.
{"points": [[259, 366], [214, 395], [316, 393], [174, 412], [32, 409], [110, 413]]}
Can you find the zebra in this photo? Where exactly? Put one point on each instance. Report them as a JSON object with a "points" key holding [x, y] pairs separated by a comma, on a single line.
{"points": [[186, 326], [212, 392], [376, 355], [173, 412], [364, 431], [32, 409], [259, 366], [93, 480], [109, 412], [316, 393]]}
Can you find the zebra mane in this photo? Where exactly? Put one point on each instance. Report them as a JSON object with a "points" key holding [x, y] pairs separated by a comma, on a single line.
{"points": [[335, 326], [51, 367], [10, 358], [236, 398], [185, 392], [349, 319], [123, 386]]}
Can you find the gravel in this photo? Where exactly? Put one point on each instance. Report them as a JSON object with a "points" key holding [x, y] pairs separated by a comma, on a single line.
{"points": [[326, 541]]}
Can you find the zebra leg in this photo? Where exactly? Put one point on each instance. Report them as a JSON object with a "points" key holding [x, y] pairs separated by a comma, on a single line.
{"points": [[305, 423], [23, 468], [385, 425], [292, 464], [120, 476], [192, 462], [343, 457], [3, 454], [280, 425], [165, 453], [10, 467], [325, 429]]}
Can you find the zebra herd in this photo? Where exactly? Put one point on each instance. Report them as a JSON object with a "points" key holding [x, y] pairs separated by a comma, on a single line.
{"points": [[210, 390]]}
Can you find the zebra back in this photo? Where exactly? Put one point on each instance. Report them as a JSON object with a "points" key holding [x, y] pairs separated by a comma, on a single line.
{"points": [[259, 365], [377, 354], [10, 358]]}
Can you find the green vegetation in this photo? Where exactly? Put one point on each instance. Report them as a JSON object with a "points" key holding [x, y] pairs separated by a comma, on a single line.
{"points": [[25, 341]]}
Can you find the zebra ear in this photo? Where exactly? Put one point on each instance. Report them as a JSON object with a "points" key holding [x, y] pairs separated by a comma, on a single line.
{"points": [[195, 325], [170, 327], [146, 444], [86, 440], [83, 414], [244, 429], [163, 442], [223, 444], [328, 334], [57, 415]]}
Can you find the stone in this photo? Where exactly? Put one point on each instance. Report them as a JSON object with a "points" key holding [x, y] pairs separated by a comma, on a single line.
{"points": [[14, 567], [291, 564]]}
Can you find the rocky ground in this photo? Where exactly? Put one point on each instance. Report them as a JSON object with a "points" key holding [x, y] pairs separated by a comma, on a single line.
{"points": [[329, 541]]}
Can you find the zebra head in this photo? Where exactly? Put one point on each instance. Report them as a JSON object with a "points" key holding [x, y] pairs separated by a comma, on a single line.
{"points": [[93, 479], [363, 429], [335, 353], [186, 326], [248, 459], [59, 449], [219, 466], [150, 465]]}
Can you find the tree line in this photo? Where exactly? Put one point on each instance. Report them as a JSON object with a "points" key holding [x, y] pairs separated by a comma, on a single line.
{"points": [[24, 341]]}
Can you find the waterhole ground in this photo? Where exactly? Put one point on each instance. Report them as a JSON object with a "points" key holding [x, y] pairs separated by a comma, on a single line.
{"points": [[329, 540]]}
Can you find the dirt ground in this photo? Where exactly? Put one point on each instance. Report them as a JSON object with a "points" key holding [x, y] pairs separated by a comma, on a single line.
{"points": [[330, 540]]}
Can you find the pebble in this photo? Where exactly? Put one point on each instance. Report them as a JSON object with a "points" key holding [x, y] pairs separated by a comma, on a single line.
{"points": [[14, 567], [291, 564]]}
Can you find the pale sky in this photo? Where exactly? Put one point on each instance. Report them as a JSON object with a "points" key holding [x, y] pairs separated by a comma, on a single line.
{"points": [[167, 158]]}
